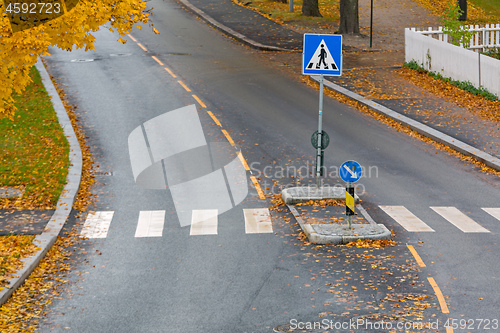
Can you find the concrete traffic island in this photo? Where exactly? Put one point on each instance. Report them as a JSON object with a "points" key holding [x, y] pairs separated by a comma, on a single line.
{"points": [[293, 195], [332, 233]]}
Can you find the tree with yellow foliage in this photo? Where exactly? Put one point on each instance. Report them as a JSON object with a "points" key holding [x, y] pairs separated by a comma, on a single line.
{"points": [[28, 28]]}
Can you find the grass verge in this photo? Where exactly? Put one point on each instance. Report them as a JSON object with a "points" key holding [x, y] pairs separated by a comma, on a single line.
{"points": [[466, 86], [34, 157], [478, 11], [28, 305], [34, 150]]}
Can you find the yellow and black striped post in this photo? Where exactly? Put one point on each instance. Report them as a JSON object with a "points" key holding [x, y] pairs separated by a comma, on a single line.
{"points": [[349, 203]]}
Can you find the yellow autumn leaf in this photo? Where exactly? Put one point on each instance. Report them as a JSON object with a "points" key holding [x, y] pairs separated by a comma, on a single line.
{"points": [[20, 49]]}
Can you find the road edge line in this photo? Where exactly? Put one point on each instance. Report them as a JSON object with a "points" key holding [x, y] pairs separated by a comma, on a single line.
{"points": [[49, 235], [420, 128]]}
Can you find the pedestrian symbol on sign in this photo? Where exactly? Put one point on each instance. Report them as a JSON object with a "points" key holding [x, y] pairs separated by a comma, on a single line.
{"points": [[322, 58]]}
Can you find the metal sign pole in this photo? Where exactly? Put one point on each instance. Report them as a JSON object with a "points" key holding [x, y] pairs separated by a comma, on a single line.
{"points": [[320, 132], [371, 24]]}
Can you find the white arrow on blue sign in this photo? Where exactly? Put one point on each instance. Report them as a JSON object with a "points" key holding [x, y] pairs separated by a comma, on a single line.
{"points": [[322, 54], [350, 171]]}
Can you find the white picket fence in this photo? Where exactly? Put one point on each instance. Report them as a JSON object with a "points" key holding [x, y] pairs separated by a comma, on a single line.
{"points": [[431, 50], [485, 37]]}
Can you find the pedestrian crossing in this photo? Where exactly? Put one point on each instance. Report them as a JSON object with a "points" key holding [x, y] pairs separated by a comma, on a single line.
{"points": [[453, 215], [204, 222], [459, 219], [406, 218], [258, 221], [151, 223], [97, 224], [495, 212]]}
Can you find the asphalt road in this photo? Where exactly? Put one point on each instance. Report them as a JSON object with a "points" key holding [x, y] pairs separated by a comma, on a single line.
{"points": [[235, 281]]}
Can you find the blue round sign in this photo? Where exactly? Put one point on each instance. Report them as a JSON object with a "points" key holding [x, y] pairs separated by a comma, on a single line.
{"points": [[350, 171]]}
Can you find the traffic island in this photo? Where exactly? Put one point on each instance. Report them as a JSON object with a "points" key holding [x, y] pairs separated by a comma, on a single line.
{"points": [[326, 224], [301, 194]]}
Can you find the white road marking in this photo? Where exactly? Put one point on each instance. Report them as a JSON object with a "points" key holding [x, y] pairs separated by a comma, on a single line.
{"points": [[257, 221], [459, 219], [406, 219], [353, 174], [495, 212], [204, 222], [150, 223], [97, 224]]}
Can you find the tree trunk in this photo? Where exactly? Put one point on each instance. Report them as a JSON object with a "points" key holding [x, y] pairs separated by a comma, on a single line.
{"points": [[311, 8], [349, 17], [462, 4]]}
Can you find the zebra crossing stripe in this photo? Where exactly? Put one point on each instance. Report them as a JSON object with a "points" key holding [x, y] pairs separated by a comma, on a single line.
{"points": [[204, 222], [257, 221], [97, 224], [459, 219], [406, 219], [150, 223], [495, 212]]}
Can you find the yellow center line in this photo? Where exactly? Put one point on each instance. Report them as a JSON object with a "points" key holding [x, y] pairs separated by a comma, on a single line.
{"points": [[226, 134], [437, 291], [214, 118], [417, 257], [142, 47], [183, 85], [257, 187], [243, 161], [199, 101], [228, 137], [158, 60], [170, 72], [449, 329]]}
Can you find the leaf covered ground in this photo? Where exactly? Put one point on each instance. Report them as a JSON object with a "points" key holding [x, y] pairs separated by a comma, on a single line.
{"points": [[365, 279], [27, 306], [280, 12], [27, 139], [12, 250]]}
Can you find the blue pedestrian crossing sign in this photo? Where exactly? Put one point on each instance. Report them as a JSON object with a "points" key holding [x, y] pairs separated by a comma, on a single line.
{"points": [[350, 171], [322, 54]]}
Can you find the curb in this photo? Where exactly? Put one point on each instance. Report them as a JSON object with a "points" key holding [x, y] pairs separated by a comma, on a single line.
{"points": [[228, 31], [293, 195], [338, 234], [420, 128], [67, 198]]}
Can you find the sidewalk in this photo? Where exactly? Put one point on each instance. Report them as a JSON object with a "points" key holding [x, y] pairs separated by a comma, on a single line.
{"points": [[370, 74], [256, 28]]}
